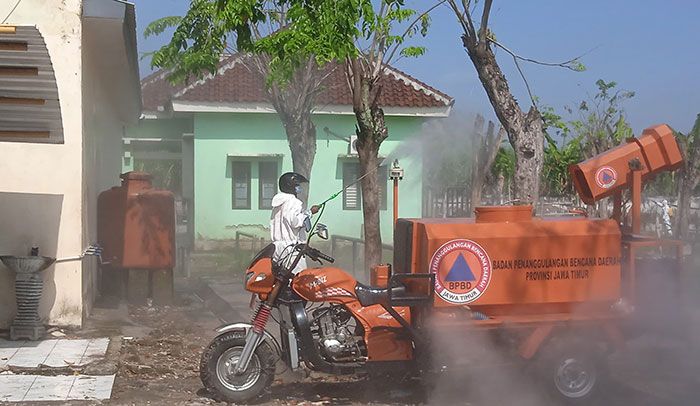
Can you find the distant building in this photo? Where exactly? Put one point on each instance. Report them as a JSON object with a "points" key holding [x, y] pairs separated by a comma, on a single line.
{"points": [[68, 87], [230, 146]]}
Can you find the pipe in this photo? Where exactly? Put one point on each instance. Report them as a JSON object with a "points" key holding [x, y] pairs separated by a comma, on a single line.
{"points": [[92, 250], [396, 174], [396, 201], [636, 201]]}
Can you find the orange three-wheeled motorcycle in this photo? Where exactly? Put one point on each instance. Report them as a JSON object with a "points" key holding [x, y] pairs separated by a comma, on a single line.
{"points": [[329, 321]]}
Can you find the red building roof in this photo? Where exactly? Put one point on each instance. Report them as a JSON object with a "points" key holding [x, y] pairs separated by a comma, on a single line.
{"points": [[236, 83]]}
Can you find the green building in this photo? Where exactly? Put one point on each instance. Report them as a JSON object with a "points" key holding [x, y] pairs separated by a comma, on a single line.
{"points": [[220, 145]]}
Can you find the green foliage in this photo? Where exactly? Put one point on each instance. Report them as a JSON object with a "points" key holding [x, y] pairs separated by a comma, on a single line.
{"points": [[504, 164], [201, 36], [167, 173], [557, 159], [601, 122], [599, 126], [330, 30], [577, 65], [159, 26], [664, 184], [690, 147], [413, 52]]}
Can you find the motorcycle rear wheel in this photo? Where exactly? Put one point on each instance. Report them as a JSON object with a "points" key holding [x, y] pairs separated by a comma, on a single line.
{"points": [[219, 360]]}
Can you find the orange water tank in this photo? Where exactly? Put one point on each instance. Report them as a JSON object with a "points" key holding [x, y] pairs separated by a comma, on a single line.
{"points": [[656, 151], [136, 224], [508, 259]]}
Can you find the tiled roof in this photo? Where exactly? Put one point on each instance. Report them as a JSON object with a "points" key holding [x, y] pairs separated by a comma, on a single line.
{"points": [[236, 83]]}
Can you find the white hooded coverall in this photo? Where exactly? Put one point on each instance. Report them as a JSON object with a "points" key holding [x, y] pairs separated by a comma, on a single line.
{"points": [[287, 227]]}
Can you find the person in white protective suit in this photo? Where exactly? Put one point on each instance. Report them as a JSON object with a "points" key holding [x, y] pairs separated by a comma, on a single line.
{"points": [[288, 217]]}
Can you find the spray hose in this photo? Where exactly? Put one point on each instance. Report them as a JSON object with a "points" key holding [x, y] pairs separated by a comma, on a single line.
{"points": [[322, 205], [336, 194], [318, 218]]}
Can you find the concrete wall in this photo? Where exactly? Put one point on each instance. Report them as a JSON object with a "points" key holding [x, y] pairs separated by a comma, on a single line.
{"points": [[219, 136], [41, 192], [48, 192]]}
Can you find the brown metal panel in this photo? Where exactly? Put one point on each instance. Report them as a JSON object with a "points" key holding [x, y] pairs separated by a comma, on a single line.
{"points": [[18, 71], [13, 45], [21, 101], [24, 134]]}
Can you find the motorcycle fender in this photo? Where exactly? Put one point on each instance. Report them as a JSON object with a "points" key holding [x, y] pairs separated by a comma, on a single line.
{"points": [[245, 327]]}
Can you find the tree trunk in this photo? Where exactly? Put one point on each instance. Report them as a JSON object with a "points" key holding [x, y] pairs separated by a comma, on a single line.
{"points": [[684, 208], [500, 184], [483, 159], [689, 182], [370, 203], [371, 131], [301, 134], [525, 131], [690, 147], [294, 102]]}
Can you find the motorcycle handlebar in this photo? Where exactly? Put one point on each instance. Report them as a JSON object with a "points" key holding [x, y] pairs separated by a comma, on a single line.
{"points": [[324, 256], [313, 253]]}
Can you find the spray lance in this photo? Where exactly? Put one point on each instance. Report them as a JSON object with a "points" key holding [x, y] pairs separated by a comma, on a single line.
{"points": [[322, 205], [336, 194]]}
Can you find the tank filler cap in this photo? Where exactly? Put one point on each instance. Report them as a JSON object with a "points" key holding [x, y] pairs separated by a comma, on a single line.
{"points": [[134, 175], [503, 214]]}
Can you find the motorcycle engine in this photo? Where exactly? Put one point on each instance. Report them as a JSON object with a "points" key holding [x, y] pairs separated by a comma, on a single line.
{"points": [[337, 334]]}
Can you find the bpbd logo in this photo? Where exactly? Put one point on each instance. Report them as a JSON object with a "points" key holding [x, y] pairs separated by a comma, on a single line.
{"points": [[606, 177], [462, 271]]}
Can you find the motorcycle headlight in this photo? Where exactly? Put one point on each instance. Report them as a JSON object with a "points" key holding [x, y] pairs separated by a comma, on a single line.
{"points": [[248, 275]]}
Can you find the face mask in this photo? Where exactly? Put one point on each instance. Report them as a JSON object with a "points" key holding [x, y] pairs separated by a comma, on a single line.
{"points": [[297, 189]]}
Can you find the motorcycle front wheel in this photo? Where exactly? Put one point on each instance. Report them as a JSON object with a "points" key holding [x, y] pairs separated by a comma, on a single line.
{"points": [[219, 361]]}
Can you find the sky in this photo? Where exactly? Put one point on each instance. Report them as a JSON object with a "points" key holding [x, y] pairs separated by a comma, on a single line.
{"points": [[646, 46]]}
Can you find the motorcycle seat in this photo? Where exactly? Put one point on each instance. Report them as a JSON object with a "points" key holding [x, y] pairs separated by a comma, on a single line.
{"points": [[371, 295]]}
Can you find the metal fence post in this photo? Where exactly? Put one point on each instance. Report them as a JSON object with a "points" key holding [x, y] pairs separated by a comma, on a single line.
{"points": [[354, 256]]}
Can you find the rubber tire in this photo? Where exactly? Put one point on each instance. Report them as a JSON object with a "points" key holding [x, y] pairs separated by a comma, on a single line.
{"points": [[210, 357], [551, 358]]}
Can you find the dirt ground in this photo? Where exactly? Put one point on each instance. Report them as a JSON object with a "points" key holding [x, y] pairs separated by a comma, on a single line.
{"points": [[162, 367], [157, 363]]}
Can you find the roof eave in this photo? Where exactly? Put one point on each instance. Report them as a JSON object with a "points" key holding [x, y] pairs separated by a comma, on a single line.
{"points": [[186, 106]]}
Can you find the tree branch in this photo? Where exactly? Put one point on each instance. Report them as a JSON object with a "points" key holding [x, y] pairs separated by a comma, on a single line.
{"points": [[470, 22], [565, 64], [410, 27], [460, 17], [483, 29], [527, 85]]}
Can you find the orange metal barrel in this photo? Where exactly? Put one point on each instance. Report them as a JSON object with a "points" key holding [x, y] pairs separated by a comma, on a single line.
{"points": [[601, 176], [136, 224]]}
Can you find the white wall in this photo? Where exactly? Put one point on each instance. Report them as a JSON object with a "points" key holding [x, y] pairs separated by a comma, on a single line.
{"points": [[102, 133], [30, 174]]}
